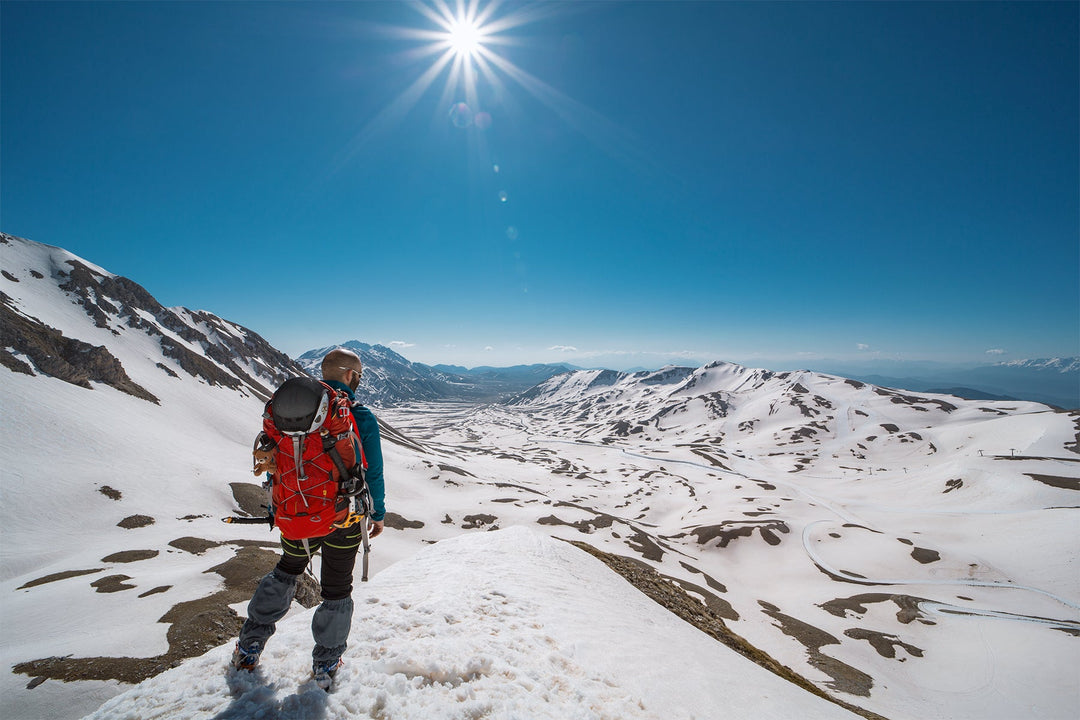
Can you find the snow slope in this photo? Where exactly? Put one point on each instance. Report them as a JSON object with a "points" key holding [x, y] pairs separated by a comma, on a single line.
{"points": [[507, 624]]}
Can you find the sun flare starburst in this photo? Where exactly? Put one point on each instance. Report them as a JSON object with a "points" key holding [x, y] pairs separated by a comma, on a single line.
{"points": [[462, 46], [465, 37]]}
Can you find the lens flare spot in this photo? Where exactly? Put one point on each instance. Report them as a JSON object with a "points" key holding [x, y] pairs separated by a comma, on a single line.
{"points": [[512, 233], [502, 196], [461, 115], [482, 120]]}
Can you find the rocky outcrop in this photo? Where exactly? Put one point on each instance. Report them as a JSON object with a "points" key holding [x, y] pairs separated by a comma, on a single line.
{"points": [[64, 358], [225, 347]]}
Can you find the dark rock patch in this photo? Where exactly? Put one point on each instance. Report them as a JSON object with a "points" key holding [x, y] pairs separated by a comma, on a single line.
{"points": [[397, 522], [193, 545], [456, 471], [712, 582], [732, 529], [908, 606], [111, 584], [251, 498], [168, 371], [14, 364], [58, 576], [925, 556], [135, 521], [845, 678], [884, 644], [110, 493], [130, 556], [583, 526], [1064, 483], [156, 591], [472, 522]]}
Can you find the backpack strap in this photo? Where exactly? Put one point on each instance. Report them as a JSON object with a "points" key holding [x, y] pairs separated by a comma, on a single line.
{"points": [[329, 444]]}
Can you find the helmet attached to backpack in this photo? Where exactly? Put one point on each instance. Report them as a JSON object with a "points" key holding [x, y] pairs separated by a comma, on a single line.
{"points": [[300, 406]]}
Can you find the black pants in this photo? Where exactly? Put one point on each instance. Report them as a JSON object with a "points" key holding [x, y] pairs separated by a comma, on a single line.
{"points": [[338, 559], [332, 620]]}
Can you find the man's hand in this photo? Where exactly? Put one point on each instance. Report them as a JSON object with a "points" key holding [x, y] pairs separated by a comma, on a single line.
{"points": [[375, 528]]}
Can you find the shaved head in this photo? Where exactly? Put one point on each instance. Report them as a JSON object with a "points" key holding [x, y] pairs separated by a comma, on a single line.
{"points": [[338, 364]]}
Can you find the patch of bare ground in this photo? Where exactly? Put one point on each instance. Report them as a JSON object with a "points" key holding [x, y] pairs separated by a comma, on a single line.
{"points": [[707, 619], [473, 522], [111, 493], [1065, 483], [925, 556], [135, 521], [884, 643], [250, 498], [130, 556], [397, 522], [732, 529], [112, 583], [58, 576], [845, 678], [195, 626]]}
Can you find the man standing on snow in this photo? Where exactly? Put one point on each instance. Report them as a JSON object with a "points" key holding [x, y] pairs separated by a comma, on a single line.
{"points": [[330, 625]]}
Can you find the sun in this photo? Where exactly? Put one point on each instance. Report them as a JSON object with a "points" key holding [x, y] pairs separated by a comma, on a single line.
{"points": [[465, 37], [463, 43]]}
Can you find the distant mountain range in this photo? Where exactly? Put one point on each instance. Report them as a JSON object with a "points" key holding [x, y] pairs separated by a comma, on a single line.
{"points": [[390, 379], [222, 353], [1053, 381]]}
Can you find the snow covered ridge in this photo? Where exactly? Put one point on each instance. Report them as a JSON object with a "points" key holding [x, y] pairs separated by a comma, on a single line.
{"points": [[507, 624], [41, 330], [1062, 365]]}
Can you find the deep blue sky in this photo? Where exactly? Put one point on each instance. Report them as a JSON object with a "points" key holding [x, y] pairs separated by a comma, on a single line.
{"points": [[740, 181]]}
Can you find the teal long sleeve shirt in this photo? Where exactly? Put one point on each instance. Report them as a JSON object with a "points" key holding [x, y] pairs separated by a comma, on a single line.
{"points": [[368, 427]]}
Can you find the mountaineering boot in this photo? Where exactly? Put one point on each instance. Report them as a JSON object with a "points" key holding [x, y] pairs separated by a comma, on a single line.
{"points": [[246, 658], [324, 673]]}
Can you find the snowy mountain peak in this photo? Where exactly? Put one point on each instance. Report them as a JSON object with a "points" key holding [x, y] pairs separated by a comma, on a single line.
{"points": [[70, 319]]}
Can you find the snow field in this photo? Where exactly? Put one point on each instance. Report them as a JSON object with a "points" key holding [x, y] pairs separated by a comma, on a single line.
{"points": [[508, 624]]}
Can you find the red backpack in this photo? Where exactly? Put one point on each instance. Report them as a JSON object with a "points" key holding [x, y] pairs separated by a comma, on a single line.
{"points": [[310, 448]]}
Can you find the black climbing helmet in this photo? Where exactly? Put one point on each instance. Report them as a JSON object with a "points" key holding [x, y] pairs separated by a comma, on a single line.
{"points": [[299, 406]]}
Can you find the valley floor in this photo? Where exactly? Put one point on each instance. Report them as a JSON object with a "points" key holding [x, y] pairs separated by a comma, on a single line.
{"points": [[909, 585]]}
